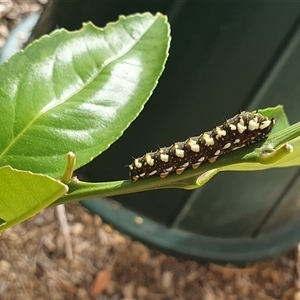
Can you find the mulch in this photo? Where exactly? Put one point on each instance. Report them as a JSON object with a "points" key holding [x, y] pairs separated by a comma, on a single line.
{"points": [[39, 259]]}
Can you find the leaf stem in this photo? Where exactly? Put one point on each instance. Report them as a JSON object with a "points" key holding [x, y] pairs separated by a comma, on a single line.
{"points": [[84, 190], [69, 168]]}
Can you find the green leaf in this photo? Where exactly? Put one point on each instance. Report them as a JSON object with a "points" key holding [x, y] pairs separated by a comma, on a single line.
{"points": [[23, 194], [78, 91]]}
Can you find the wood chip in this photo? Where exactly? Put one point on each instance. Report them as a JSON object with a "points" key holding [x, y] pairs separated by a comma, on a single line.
{"points": [[100, 283]]}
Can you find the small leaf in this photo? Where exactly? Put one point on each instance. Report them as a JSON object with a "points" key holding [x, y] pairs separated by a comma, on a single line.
{"points": [[23, 194], [78, 91]]}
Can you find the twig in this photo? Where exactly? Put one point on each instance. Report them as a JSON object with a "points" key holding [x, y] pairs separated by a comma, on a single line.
{"points": [[61, 214]]}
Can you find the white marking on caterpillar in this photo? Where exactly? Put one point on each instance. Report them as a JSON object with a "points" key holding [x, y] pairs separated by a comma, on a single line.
{"points": [[227, 146], [193, 145], [137, 163], [149, 159], [217, 152], [241, 128], [209, 141], [253, 125], [220, 132], [153, 172], [265, 124], [184, 165], [164, 157], [232, 127], [179, 152]]}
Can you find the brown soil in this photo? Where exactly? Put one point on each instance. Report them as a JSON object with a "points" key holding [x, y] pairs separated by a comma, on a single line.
{"points": [[39, 260]]}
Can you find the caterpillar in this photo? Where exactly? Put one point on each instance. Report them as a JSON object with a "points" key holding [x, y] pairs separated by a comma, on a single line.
{"points": [[243, 129]]}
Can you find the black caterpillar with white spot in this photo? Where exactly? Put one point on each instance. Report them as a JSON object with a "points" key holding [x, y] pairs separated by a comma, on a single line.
{"points": [[243, 129]]}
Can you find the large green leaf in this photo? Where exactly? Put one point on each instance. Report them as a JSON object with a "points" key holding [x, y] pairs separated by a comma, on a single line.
{"points": [[78, 91], [23, 194]]}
